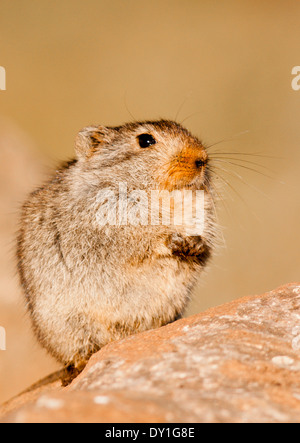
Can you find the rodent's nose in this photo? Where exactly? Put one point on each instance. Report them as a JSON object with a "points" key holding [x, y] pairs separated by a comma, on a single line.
{"points": [[200, 163]]}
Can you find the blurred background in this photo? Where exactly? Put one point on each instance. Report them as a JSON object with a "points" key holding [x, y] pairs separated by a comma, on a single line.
{"points": [[221, 67]]}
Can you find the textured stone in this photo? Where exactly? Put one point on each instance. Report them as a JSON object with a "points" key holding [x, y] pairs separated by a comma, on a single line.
{"points": [[239, 362]]}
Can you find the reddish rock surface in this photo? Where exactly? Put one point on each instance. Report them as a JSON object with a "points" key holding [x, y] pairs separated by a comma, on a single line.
{"points": [[239, 362]]}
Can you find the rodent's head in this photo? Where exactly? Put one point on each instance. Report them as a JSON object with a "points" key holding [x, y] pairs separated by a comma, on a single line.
{"points": [[160, 154]]}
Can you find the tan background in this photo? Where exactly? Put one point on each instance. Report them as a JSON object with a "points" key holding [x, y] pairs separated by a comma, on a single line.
{"points": [[226, 64]]}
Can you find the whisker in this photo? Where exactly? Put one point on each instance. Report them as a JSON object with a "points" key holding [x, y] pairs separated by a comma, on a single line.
{"points": [[245, 167], [222, 201], [253, 154], [127, 108], [208, 190], [237, 193], [245, 161], [182, 105], [227, 183], [229, 213], [236, 175], [219, 196], [224, 140], [191, 115], [208, 185]]}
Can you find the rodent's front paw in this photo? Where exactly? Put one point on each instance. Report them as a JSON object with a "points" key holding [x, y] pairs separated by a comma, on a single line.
{"points": [[186, 246]]}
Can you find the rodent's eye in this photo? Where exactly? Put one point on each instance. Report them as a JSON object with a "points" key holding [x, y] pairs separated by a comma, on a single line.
{"points": [[146, 140]]}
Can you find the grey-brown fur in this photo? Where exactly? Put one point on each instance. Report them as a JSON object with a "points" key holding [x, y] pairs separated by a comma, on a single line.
{"points": [[86, 285]]}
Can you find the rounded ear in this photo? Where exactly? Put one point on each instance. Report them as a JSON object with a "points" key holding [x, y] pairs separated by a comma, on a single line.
{"points": [[86, 142]]}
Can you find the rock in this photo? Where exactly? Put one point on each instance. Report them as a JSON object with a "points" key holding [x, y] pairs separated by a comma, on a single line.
{"points": [[239, 362]]}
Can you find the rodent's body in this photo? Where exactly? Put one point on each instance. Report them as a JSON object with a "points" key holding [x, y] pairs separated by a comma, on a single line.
{"points": [[87, 284]]}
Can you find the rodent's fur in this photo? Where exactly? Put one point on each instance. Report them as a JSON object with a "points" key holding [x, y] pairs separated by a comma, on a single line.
{"points": [[87, 285]]}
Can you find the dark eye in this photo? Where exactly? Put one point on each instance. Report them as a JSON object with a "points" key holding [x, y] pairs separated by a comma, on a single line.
{"points": [[146, 140]]}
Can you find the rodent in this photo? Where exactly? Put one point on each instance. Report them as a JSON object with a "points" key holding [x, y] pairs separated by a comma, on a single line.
{"points": [[86, 285]]}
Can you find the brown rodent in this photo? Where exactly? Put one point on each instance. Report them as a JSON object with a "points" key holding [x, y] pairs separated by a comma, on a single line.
{"points": [[87, 284]]}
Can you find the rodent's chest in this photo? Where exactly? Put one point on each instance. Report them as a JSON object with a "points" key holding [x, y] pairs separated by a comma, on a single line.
{"points": [[150, 293]]}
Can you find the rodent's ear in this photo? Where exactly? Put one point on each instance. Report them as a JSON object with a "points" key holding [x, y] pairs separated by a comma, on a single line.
{"points": [[86, 141]]}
